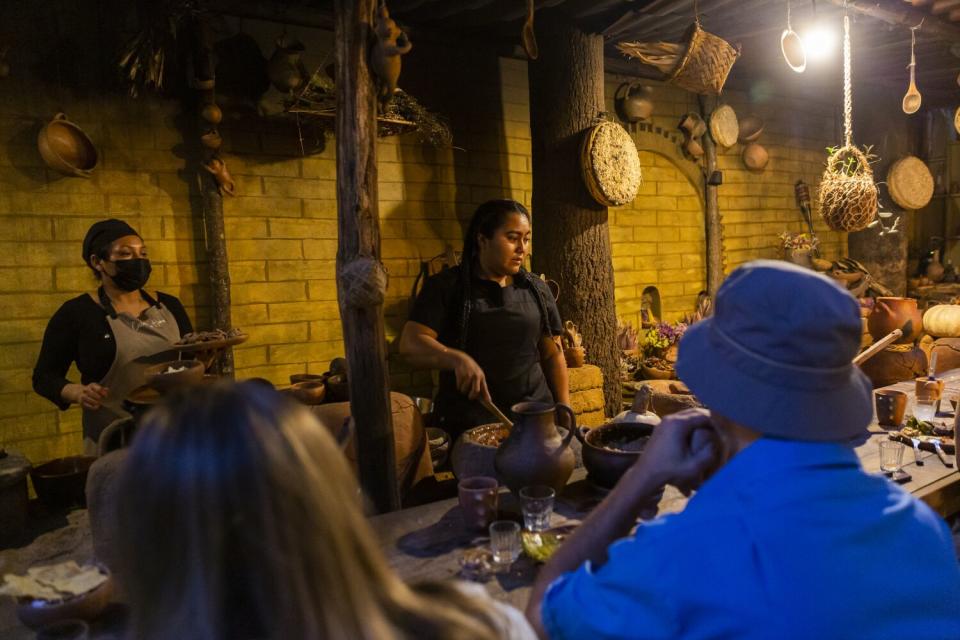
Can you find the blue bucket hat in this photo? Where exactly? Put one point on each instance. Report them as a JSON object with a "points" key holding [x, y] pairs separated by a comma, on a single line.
{"points": [[777, 355]]}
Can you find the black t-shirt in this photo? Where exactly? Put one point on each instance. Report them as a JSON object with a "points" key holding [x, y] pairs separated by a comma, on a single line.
{"points": [[503, 335], [79, 332]]}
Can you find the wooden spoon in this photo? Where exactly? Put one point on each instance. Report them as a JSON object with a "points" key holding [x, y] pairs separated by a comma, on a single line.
{"points": [[492, 408], [527, 36], [911, 100]]}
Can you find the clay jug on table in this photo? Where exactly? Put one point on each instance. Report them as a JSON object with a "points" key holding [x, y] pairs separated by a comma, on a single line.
{"points": [[896, 313], [535, 453]]}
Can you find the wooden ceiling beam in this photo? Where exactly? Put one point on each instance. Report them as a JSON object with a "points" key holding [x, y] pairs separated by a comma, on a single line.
{"points": [[944, 6], [902, 15]]}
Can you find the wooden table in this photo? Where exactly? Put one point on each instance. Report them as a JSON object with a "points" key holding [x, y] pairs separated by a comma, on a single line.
{"points": [[427, 542]]}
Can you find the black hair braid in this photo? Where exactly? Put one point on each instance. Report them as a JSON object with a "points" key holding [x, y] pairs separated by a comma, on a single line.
{"points": [[486, 219]]}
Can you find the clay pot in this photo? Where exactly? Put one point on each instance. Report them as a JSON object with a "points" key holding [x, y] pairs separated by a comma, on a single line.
{"points": [[603, 458], [750, 128], [891, 406], [755, 157], [948, 354], [309, 391], [474, 451], [634, 101], [575, 357], [212, 114], [284, 68], [534, 452], [896, 313], [889, 367], [935, 271], [338, 388], [653, 373], [66, 148]]}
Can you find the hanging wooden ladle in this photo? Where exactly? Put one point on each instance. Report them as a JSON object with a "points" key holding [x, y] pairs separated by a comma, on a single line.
{"points": [[912, 99], [527, 36]]}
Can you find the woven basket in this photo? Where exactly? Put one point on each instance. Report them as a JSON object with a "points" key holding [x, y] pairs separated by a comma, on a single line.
{"points": [[848, 200], [910, 183], [610, 164], [705, 64], [700, 65], [724, 128]]}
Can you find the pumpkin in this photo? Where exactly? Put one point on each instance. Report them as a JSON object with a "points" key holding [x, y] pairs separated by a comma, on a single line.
{"points": [[943, 321]]}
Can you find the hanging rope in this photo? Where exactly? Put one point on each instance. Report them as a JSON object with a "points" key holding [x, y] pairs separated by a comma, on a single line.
{"points": [[847, 90]]}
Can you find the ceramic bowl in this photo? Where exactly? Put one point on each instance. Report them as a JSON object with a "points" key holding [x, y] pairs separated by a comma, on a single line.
{"points": [[61, 482], [309, 392], [190, 373], [603, 458], [306, 377], [86, 606]]}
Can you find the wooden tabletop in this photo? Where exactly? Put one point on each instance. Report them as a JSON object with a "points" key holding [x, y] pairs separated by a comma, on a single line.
{"points": [[427, 542]]}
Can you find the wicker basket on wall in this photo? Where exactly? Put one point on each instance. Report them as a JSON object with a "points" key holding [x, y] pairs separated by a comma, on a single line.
{"points": [[700, 64], [910, 183], [610, 164], [847, 194]]}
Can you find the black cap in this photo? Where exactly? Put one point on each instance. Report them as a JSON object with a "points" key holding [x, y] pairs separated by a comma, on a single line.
{"points": [[102, 234]]}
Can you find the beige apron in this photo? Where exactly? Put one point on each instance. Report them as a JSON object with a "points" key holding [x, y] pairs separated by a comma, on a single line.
{"points": [[140, 342]]}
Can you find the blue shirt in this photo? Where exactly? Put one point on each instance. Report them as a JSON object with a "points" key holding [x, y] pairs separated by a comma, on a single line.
{"points": [[787, 540]]}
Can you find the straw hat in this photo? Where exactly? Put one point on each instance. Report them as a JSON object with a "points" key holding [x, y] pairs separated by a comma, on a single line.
{"points": [[724, 128], [910, 183]]}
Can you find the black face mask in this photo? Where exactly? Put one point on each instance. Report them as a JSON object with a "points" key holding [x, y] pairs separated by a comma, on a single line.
{"points": [[131, 274]]}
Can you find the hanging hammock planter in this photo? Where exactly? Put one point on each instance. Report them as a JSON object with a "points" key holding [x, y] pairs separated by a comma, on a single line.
{"points": [[847, 194]]}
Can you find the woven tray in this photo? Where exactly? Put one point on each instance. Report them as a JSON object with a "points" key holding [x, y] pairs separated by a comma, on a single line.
{"points": [[724, 128], [910, 183], [610, 164]]}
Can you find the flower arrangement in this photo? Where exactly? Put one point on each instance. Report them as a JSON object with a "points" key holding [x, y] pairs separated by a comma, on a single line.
{"points": [[660, 337], [798, 242]]}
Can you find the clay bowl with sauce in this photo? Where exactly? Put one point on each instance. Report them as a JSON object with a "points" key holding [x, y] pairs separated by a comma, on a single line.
{"points": [[609, 450], [475, 450], [175, 374]]}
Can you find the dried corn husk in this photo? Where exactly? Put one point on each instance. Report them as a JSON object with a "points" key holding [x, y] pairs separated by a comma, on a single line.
{"points": [[610, 164]]}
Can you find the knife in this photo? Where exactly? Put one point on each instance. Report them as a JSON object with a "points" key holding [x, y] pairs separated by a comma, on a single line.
{"points": [[940, 454], [916, 451]]}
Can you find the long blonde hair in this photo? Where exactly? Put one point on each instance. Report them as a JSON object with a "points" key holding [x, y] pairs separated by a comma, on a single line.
{"points": [[239, 518]]}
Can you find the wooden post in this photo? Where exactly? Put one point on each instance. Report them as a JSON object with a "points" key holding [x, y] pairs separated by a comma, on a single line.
{"points": [[713, 227], [358, 221], [211, 202], [571, 234]]}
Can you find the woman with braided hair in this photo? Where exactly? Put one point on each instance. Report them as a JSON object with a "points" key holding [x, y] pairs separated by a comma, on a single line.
{"points": [[489, 325]]}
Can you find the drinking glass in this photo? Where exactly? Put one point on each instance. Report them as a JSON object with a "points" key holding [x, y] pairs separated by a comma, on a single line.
{"points": [[478, 501], [536, 503], [505, 541], [924, 408], [891, 456]]}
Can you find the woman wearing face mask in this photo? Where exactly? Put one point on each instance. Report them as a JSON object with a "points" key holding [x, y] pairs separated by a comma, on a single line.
{"points": [[112, 334], [489, 325]]}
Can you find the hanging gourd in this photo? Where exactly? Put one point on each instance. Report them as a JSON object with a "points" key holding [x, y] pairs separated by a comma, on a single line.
{"points": [[847, 194]]}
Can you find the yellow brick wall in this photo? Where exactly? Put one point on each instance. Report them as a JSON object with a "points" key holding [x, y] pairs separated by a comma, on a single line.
{"points": [[281, 229], [658, 239]]}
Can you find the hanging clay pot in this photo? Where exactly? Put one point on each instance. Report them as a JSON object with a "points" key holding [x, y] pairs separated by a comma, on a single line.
{"points": [[211, 140], [634, 101], [750, 128], [66, 148], [285, 70], [755, 157], [212, 114]]}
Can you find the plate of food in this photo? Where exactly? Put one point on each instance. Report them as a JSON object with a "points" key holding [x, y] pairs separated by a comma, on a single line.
{"points": [[57, 592], [209, 340]]}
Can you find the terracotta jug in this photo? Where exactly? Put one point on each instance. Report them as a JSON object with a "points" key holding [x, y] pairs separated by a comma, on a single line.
{"points": [[896, 313], [285, 69], [635, 101], [535, 453]]}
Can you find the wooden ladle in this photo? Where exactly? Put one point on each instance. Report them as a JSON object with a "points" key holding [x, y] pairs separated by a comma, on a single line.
{"points": [[527, 36], [912, 99]]}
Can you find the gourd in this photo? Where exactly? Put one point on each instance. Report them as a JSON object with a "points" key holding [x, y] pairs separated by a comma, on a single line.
{"points": [[640, 412], [943, 321]]}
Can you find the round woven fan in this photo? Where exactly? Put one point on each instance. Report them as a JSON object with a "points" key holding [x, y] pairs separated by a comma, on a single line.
{"points": [[724, 128], [610, 164], [910, 183]]}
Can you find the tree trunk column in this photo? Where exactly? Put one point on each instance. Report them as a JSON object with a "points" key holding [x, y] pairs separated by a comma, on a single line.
{"points": [[358, 228], [571, 234]]}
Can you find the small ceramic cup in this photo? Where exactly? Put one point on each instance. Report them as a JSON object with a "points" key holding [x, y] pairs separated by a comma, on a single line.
{"points": [[928, 389], [891, 407], [479, 500]]}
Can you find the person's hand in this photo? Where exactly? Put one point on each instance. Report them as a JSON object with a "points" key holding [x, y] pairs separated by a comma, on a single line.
{"points": [[470, 379], [89, 396], [683, 451]]}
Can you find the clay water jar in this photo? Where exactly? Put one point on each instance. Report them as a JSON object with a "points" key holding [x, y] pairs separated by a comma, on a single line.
{"points": [[896, 313], [534, 452]]}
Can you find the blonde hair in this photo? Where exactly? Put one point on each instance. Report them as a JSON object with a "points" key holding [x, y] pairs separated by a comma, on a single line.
{"points": [[239, 518]]}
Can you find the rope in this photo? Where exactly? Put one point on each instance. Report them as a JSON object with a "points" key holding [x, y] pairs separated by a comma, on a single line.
{"points": [[899, 348], [847, 91], [789, 28]]}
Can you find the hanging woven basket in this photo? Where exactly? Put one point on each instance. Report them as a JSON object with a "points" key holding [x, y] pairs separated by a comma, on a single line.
{"points": [[610, 164], [847, 194], [701, 63]]}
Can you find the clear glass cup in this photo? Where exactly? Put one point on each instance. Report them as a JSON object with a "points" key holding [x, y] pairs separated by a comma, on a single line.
{"points": [[536, 503], [891, 456], [924, 408], [505, 541]]}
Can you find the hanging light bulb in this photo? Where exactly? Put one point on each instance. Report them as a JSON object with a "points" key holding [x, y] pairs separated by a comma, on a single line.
{"points": [[820, 42]]}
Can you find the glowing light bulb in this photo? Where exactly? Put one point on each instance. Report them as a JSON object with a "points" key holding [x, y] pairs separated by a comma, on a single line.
{"points": [[820, 42]]}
